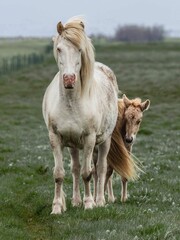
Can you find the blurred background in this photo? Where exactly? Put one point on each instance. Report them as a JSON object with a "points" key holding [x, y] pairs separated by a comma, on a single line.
{"points": [[106, 21]]}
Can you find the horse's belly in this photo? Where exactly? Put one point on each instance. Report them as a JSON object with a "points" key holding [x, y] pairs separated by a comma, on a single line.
{"points": [[72, 140]]}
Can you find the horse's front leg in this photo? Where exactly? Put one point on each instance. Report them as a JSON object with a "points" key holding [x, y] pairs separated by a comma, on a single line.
{"points": [[86, 171], [75, 167], [59, 204], [101, 171]]}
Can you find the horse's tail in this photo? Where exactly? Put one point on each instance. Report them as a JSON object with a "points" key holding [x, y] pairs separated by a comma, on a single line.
{"points": [[120, 159]]}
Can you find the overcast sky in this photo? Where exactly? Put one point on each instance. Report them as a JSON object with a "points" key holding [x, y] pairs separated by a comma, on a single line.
{"points": [[39, 17]]}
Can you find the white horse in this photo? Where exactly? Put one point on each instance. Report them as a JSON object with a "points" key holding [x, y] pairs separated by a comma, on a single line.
{"points": [[80, 111]]}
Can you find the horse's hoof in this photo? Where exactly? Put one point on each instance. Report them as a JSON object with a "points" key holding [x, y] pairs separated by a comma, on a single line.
{"points": [[56, 209], [100, 202], [89, 203], [76, 202]]}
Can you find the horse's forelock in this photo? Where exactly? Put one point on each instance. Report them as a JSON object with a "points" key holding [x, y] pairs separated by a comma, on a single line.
{"points": [[74, 32]]}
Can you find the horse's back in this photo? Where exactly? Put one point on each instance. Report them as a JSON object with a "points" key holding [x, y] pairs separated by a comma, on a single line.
{"points": [[108, 74]]}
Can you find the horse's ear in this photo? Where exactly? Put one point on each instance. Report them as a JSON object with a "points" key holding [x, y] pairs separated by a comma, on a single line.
{"points": [[126, 101], [82, 24], [60, 28], [145, 105], [53, 39]]}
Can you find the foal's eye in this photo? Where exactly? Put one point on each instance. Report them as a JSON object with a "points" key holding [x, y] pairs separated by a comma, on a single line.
{"points": [[138, 122]]}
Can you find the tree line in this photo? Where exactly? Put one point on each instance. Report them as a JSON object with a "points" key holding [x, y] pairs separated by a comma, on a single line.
{"points": [[135, 33]]}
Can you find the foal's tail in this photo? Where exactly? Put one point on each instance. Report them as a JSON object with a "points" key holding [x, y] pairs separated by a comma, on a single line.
{"points": [[120, 159]]}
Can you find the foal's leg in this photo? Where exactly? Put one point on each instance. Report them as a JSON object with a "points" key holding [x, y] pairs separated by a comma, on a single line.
{"points": [[124, 180], [108, 184], [86, 171], [101, 171], [59, 204], [75, 167], [123, 189]]}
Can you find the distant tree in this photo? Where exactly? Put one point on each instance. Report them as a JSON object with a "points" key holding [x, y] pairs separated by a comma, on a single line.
{"points": [[135, 33]]}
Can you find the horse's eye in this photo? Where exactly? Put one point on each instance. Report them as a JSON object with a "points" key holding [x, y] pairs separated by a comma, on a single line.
{"points": [[138, 122], [59, 50]]}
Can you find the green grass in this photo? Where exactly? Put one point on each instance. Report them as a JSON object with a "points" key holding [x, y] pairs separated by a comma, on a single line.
{"points": [[26, 161]]}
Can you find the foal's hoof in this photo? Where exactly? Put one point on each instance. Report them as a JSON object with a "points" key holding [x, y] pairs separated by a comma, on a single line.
{"points": [[111, 199], [123, 199]]}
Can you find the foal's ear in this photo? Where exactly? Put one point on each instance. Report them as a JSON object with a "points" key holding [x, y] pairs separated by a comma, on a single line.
{"points": [[145, 105], [126, 101], [60, 28]]}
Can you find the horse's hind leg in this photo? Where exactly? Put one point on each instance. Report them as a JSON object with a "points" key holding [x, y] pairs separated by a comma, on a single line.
{"points": [[123, 189], [95, 159], [108, 184], [59, 204], [75, 167], [101, 171]]}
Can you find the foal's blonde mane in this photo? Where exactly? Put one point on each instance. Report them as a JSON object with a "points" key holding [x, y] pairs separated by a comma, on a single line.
{"points": [[73, 31], [136, 102], [119, 158]]}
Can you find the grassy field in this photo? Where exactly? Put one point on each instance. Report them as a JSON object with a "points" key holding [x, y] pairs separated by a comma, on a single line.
{"points": [[10, 47], [20, 46], [152, 211]]}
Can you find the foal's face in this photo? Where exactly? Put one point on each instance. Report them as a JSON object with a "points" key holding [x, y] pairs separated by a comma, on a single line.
{"points": [[69, 62], [133, 118]]}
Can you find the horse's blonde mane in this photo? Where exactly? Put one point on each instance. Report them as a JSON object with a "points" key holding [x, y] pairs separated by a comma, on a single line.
{"points": [[73, 31]]}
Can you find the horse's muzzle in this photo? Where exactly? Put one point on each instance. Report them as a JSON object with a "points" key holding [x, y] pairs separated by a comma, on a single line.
{"points": [[69, 80]]}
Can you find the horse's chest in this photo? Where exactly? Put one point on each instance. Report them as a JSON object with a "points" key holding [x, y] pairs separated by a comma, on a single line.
{"points": [[72, 133]]}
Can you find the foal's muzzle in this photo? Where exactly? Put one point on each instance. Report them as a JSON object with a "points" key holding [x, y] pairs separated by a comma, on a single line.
{"points": [[69, 80], [129, 140]]}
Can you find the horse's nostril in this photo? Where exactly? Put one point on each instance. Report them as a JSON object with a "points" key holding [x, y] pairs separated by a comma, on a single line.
{"points": [[71, 77], [129, 140]]}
